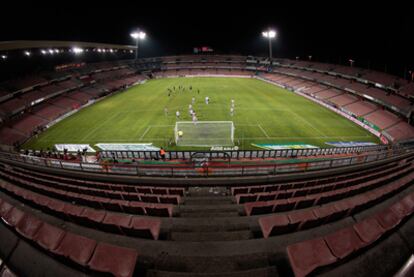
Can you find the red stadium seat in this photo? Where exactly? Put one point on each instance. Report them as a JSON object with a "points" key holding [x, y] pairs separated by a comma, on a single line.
{"points": [[387, 219], [113, 222], [115, 260], [13, 217], [76, 248], [5, 207], [369, 230], [344, 242], [275, 224], [308, 255], [48, 236], [143, 227], [28, 226]]}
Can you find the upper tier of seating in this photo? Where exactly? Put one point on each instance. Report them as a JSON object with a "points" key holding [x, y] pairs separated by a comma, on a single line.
{"points": [[70, 89]]}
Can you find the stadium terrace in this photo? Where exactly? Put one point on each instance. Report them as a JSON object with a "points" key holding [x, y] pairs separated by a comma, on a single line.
{"points": [[203, 164]]}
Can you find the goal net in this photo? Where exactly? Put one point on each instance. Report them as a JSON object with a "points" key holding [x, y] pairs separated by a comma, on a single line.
{"points": [[204, 133]]}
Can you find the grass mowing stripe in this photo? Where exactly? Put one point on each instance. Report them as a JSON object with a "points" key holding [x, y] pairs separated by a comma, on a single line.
{"points": [[138, 114]]}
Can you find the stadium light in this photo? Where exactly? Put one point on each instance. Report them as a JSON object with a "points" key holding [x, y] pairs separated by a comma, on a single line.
{"points": [[138, 35], [77, 50], [3, 57], [269, 34], [27, 53]]}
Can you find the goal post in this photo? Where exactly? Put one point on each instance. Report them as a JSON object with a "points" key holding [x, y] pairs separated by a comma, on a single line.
{"points": [[204, 133]]}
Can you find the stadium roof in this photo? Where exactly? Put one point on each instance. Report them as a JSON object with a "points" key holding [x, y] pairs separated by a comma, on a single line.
{"points": [[30, 44]]}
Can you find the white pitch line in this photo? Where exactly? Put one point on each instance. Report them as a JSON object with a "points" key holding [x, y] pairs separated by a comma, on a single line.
{"points": [[146, 131], [264, 132], [99, 126], [308, 123]]}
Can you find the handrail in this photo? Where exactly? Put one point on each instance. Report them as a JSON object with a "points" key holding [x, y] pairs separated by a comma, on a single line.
{"points": [[207, 170]]}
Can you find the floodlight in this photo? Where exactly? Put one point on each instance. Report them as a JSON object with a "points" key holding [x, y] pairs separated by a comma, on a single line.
{"points": [[77, 50], [138, 35], [43, 52], [51, 51], [27, 53], [269, 34], [3, 57]]}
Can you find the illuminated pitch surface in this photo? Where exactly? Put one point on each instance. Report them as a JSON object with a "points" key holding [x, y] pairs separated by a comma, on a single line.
{"points": [[263, 113]]}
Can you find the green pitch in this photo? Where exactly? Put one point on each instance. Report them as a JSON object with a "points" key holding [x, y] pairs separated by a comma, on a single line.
{"points": [[263, 114]]}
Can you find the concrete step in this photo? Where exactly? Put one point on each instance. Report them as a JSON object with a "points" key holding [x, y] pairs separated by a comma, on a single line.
{"points": [[258, 272], [211, 236], [210, 225], [208, 200], [199, 214], [209, 208]]}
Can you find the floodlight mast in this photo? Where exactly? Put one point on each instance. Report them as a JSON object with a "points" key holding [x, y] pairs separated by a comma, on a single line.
{"points": [[137, 35], [269, 34]]}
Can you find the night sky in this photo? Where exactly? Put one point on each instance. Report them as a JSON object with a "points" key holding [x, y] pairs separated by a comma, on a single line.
{"points": [[378, 36]]}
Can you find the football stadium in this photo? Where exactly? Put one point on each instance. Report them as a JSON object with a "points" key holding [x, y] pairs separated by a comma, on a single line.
{"points": [[206, 157]]}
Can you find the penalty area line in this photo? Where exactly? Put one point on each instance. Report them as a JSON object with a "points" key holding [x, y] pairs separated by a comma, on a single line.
{"points": [[263, 130], [145, 132]]}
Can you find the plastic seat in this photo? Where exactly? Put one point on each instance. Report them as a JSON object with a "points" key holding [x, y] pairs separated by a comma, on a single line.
{"points": [[266, 197], [283, 205], [170, 199], [255, 208], [113, 222], [344, 242], [28, 226], [92, 216], [143, 227], [159, 191], [163, 210], [408, 202], [274, 225], [73, 212], [5, 207], [115, 260], [400, 209], [76, 248], [176, 191], [369, 230], [244, 198], [303, 219], [308, 255], [13, 217], [303, 202], [326, 213], [387, 219], [48, 236], [135, 208]]}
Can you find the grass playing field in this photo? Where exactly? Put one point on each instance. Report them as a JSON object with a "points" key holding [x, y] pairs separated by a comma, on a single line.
{"points": [[263, 114]]}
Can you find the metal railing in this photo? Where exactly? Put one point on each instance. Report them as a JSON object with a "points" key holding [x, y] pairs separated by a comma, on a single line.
{"points": [[190, 170], [243, 154]]}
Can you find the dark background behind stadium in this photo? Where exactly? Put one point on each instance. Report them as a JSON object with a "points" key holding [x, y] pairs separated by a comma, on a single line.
{"points": [[377, 36]]}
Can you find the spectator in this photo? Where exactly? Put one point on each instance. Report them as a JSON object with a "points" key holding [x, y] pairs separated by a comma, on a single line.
{"points": [[162, 154]]}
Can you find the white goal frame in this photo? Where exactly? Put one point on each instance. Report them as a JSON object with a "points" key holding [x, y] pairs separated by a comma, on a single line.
{"points": [[204, 141]]}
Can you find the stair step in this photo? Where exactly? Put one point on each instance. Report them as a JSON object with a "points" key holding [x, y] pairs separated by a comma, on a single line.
{"points": [[208, 200], [208, 208], [210, 226], [211, 236], [208, 214], [258, 272]]}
